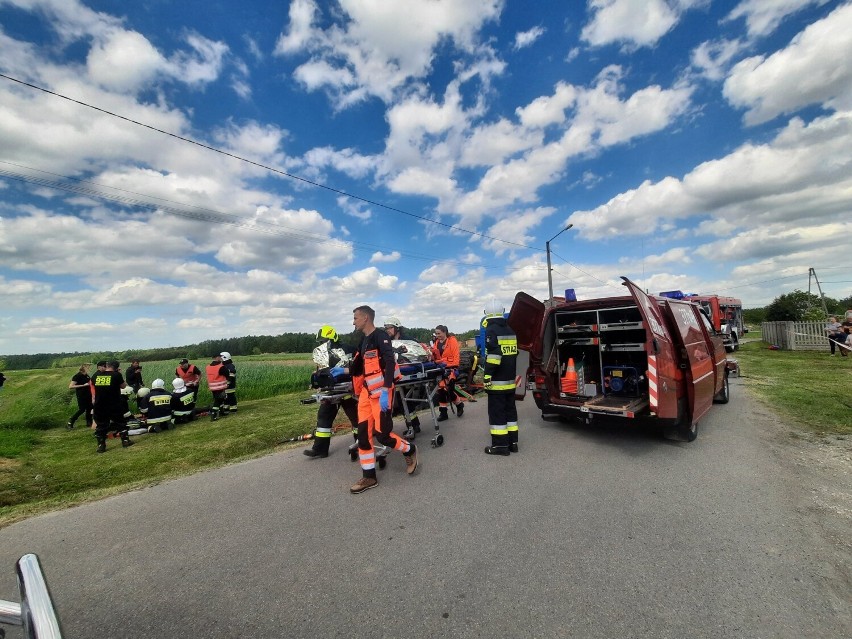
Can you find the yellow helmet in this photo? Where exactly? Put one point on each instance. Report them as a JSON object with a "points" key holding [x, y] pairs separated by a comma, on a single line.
{"points": [[327, 332]]}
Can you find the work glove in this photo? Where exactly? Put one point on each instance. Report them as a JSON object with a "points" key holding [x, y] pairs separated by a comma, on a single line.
{"points": [[486, 381], [384, 401], [337, 370]]}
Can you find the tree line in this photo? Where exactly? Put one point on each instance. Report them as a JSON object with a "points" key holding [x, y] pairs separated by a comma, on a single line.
{"points": [[797, 306], [200, 352]]}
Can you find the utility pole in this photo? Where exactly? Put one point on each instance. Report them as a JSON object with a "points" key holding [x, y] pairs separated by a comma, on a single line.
{"points": [[549, 269], [812, 273]]}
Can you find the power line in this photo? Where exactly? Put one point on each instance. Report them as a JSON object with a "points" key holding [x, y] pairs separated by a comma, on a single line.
{"points": [[266, 167]]}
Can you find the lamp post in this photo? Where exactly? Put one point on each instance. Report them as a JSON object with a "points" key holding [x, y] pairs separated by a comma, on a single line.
{"points": [[549, 275]]}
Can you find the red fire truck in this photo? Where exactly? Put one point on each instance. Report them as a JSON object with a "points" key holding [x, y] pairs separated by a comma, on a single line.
{"points": [[725, 313], [623, 357]]}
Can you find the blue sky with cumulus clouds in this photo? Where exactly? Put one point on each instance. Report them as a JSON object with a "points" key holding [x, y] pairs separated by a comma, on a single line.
{"points": [[259, 167]]}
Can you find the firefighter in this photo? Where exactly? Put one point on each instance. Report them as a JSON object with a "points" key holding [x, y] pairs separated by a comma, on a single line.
{"points": [[230, 404], [393, 327], [374, 371], [328, 409], [445, 350], [501, 355], [156, 407], [217, 382], [108, 412], [183, 402], [189, 373]]}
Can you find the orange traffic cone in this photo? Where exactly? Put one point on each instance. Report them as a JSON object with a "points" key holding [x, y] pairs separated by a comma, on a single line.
{"points": [[569, 379]]}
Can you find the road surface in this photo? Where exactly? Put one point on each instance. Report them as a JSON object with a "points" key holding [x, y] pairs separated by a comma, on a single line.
{"points": [[587, 532]]}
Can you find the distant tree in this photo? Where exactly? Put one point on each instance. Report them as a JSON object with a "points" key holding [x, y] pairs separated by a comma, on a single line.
{"points": [[754, 316], [797, 306]]}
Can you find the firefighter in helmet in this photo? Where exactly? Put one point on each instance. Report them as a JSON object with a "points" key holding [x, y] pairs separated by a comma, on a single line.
{"points": [[329, 354], [501, 355]]}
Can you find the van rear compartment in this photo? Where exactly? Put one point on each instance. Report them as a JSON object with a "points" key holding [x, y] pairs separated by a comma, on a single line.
{"points": [[606, 348]]}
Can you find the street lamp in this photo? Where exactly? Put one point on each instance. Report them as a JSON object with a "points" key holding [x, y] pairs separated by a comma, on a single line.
{"points": [[549, 275]]}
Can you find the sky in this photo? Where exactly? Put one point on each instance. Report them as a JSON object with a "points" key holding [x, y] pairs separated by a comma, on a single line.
{"points": [[172, 172]]}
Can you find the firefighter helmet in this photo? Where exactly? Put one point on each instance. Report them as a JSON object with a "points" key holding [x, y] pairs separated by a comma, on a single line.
{"points": [[178, 385], [494, 308], [225, 355], [127, 390], [392, 321], [327, 333], [143, 392], [158, 383]]}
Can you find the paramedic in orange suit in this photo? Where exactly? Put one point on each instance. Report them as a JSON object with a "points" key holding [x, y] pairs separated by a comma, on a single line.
{"points": [[374, 371]]}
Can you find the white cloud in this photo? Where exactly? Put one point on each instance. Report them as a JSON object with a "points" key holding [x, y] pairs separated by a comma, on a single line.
{"points": [[124, 61], [800, 178], [713, 59], [639, 22], [378, 257], [798, 75], [375, 48], [763, 16], [439, 273], [526, 38]]}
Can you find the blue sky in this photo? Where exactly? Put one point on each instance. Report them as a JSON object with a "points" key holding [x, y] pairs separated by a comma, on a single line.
{"points": [[693, 144]]}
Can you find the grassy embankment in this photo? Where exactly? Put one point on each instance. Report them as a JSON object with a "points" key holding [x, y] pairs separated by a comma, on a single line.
{"points": [[809, 388], [44, 466]]}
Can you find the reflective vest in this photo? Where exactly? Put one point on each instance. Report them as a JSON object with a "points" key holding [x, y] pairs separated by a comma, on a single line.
{"points": [[215, 380], [189, 376], [448, 353], [374, 377]]}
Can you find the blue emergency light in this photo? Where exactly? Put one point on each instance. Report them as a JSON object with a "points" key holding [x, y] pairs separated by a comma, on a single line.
{"points": [[675, 295]]}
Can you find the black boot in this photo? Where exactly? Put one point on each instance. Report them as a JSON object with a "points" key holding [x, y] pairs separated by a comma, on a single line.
{"points": [[513, 447], [459, 409], [125, 439], [214, 414], [319, 449], [442, 415], [101, 444], [415, 424], [497, 450]]}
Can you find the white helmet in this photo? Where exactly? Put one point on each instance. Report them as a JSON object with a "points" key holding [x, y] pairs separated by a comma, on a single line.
{"points": [[493, 307], [143, 392], [178, 385], [127, 390], [392, 321], [225, 355], [158, 383]]}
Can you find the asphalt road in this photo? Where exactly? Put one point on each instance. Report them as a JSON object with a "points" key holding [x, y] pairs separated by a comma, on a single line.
{"points": [[588, 532]]}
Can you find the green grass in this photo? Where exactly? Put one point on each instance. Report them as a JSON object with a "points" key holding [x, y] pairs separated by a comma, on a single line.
{"points": [[808, 387]]}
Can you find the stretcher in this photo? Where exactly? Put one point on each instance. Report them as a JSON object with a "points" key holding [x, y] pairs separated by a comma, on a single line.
{"points": [[418, 385]]}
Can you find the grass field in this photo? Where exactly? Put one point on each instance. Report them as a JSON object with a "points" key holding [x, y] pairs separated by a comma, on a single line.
{"points": [[43, 466], [809, 388]]}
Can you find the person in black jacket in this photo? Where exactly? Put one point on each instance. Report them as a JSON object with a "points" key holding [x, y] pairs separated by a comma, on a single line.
{"points": [[230, 404], [134, 376], [80, 383], [108, 406], [501, 356]]}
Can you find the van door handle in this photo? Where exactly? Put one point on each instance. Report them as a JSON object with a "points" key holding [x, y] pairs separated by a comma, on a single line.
{"points": [[656, 346]]}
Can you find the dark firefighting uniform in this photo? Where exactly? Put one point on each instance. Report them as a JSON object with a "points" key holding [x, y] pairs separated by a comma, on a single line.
{"points": [[108, 411], [157, 409], [183, 405], [230, 392], [217, 382], [501, 355], [328, 409], [373, 369]]}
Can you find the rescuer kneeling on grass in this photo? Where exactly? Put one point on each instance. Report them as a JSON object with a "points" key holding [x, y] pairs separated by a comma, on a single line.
{"points": [[331, 353], [501, 355], [374, 371]]}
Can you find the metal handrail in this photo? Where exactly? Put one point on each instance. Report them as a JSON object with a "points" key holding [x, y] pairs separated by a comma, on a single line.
{"points": [[35, 612]]}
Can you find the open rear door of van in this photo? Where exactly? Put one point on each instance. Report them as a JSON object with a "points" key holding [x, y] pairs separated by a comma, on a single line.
{"points": [[658, 345], [525, 318]]}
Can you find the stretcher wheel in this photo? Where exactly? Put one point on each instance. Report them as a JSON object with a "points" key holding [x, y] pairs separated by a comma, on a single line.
{"points": [[382, 459], [437, 440]]}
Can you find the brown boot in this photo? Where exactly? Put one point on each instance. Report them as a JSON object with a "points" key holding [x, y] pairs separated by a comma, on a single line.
{"points": [[365, 483], [411, 460]]}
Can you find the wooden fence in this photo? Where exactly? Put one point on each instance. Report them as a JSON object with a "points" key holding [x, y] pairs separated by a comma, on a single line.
{"points": [[795, 336]]}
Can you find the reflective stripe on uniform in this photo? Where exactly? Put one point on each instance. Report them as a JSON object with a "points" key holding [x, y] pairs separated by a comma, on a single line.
{"points": [[367, 459], [493, 358], [502, 384], [512, 427], [499, 430], [323, 432]]}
